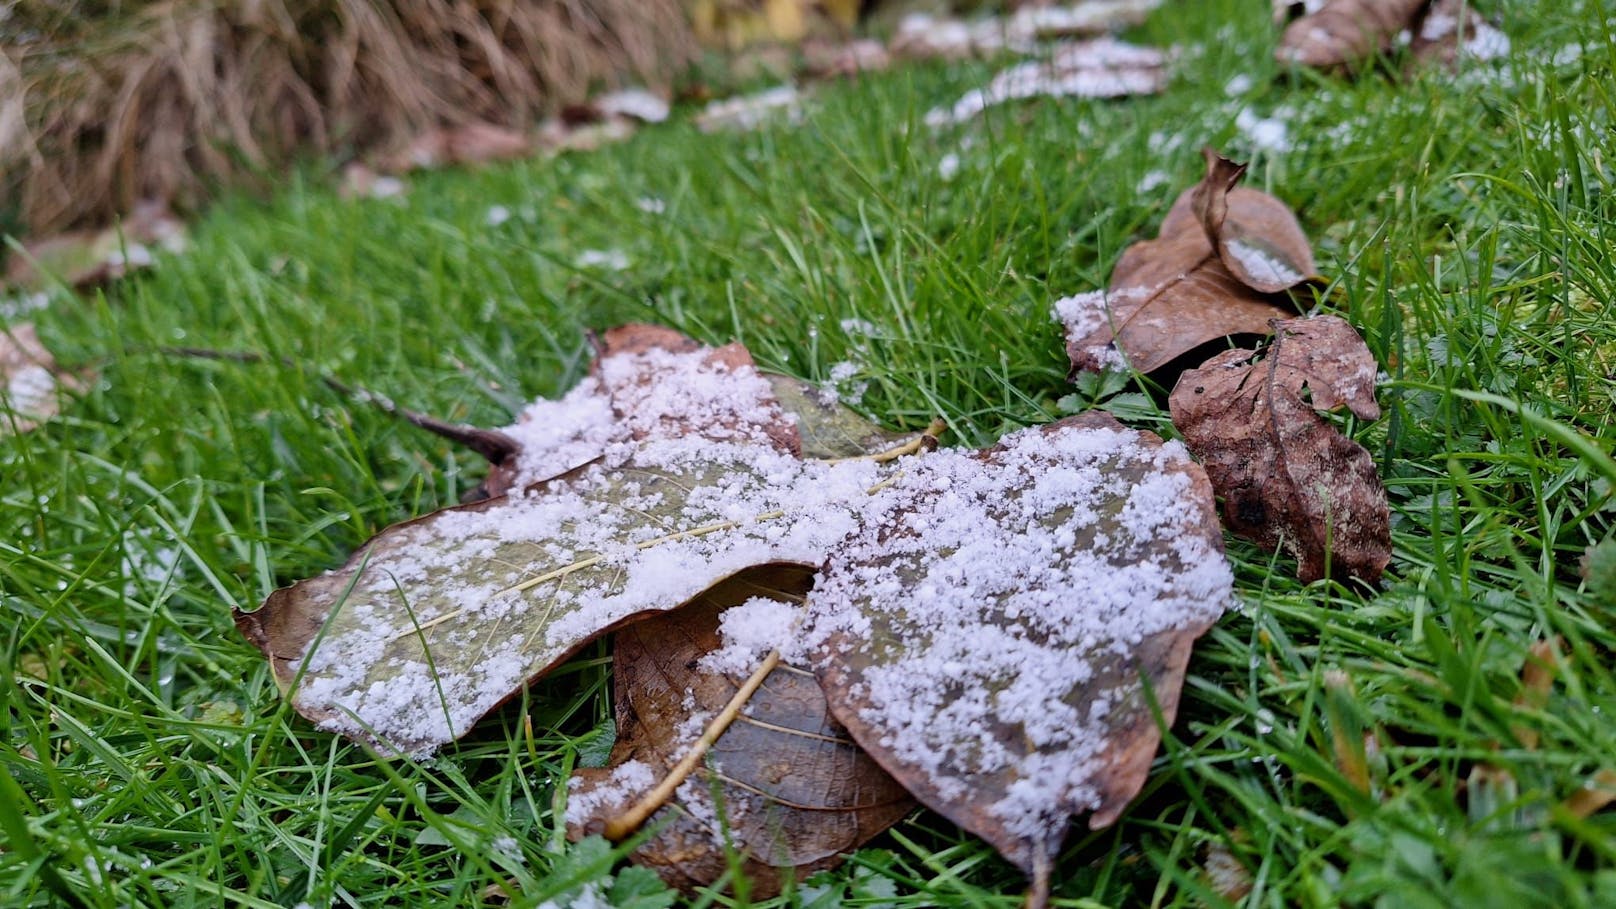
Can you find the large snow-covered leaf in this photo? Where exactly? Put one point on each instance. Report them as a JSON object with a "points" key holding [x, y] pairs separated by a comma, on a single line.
{"points": [[436, 621], [990, 635]]}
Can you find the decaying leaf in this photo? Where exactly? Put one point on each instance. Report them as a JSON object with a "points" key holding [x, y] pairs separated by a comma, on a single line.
{"points": [[991, 645], [1285, 474], [89, 258], [32, 381], [923, 36], [1220, 266], [474, 142], [784, 785], [1346, 34], [1100, 68], [748, 112], [1452, 31]]}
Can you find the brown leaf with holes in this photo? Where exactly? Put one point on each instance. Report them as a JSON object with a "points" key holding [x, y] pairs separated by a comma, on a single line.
{"points": [[1288, 477], [1222, 264], [784, 784], [1344, 35]]}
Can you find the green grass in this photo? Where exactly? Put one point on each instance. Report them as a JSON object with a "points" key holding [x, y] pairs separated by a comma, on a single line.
{"points": [[1469, 228]]}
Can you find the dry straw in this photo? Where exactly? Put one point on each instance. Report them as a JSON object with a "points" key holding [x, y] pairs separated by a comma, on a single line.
{"points": [[106, 103]]}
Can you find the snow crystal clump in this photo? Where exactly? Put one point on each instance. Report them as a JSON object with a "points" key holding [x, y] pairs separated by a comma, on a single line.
{"points": [[628, 781], [750, 631], [646, 395], [1263, 265], [1081, 313], [1265, 134]]}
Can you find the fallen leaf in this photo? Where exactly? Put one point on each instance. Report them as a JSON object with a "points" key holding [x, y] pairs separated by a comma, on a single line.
{"points": [[1346, 34], [923, 36], [749, 112], [475, 142], [842, 59], [1285, 474], [1101, 68], [991, 644], [784, 786], [1219, 266], [90, 258], [435, 622], [1452, 31], [33, 383], [646, 382]]}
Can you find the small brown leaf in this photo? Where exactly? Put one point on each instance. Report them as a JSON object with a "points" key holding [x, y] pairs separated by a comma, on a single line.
{"points": [[1346, 34], [991, 645], [475, 142], [1452, 31], [1286, 476], [91, 258], [1223, 258], [790, 788], [32, 385]]}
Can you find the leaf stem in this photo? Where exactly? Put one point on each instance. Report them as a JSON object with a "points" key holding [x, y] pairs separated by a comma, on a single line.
{"points": [[624, 825]]}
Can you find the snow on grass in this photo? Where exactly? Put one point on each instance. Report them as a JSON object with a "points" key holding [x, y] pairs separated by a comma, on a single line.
{"points": [[1101, 68]]}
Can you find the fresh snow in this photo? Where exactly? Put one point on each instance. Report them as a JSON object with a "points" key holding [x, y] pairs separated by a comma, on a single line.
{"points": [[1262, 265], [978, 597]]}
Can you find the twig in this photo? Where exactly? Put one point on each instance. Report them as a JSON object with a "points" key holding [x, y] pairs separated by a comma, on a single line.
{"points": [[624, 825], [927, 440]]}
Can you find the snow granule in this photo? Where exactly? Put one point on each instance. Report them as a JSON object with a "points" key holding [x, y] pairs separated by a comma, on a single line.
{"points": [[651, 205], [1081, 313], [634, 103], [749, 112], [590, 896], [497, 215], [16, 307], [609, 259], [1238, 85], [1152, 181], [948, 166], [1265, 134]]}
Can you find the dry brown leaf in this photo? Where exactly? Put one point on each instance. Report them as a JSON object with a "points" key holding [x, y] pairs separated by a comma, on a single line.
{"points": [[790, 788], [1452, 31], [1346, 34], [1223, 258], [32, 381], [90, 258], [1285, 474], [1097, 68], [476, 142], [839, 59]]}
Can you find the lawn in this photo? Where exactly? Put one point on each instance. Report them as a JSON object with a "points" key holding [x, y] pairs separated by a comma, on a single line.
{"points": [[1338, 745]]}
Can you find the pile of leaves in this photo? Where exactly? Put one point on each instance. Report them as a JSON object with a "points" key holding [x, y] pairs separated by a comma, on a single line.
{"points": [[820, 623], [1232, 261], [846, 618]]}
